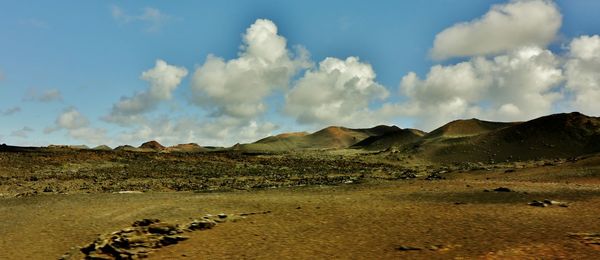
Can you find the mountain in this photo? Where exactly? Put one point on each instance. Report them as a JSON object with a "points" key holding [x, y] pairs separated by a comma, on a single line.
{"points": [[190, 147], [468, 127], [102, 148], [125, 148], [394, 138], [553, 136], [152, 145], [333, 137]]}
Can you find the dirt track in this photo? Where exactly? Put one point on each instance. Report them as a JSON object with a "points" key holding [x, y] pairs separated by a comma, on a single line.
{"points": [[350, 221]]}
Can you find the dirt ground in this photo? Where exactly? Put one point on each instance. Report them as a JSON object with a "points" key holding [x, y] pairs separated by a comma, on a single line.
{"points": [[341, 206], [444, 219]]}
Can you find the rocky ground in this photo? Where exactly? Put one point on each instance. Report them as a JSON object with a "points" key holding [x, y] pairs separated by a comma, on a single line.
{"points": [[347, 205]]}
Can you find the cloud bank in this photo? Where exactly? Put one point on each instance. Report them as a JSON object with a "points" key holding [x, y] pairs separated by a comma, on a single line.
{"points": [[337, 92], [46, 96], [163, 80], [517, 86], [78, 127], [503, 28], [10, 111], [237, 88], [153, 18], [583, 73]]}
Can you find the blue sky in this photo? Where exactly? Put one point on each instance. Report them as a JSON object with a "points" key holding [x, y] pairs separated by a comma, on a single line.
{"points": [[67, 68]]}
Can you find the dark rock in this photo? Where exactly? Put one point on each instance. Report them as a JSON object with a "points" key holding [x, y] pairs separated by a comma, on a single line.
{"points": [[145, 222], [537, 203], [162, 228], [170, 240], [434, 176], [502, 189], [201, 224], [408, 248]]}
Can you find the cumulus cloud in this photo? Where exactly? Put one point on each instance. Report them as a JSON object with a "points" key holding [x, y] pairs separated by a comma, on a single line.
{"points": [[337, 92], [44, 96], [516, 86], [72, 119], [77, 127], [10, 111], [153, 18], [163, 79], [503, 28], [237, 87], [583, 73], [22, 133]]}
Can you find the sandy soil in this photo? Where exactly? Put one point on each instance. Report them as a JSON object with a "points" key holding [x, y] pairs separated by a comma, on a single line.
{"points": [[445, 219]]}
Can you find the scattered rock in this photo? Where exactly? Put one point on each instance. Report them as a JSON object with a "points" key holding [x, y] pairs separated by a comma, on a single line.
{"points": [[148, 234], [408, 248], [406, 174], [254, 213], [435, 176], [587, 238], [437, 247], [201, 224], [510, 171], [145, 222], [547, 202], [502, 189], [537, 203]]}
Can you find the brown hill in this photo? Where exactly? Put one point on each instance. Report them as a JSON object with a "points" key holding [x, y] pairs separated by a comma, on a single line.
{"points": [[553, 136], [191, 147], [125, 148], [390, 139], [468, 127], [102, 148], [152, 145], [328, 138]]}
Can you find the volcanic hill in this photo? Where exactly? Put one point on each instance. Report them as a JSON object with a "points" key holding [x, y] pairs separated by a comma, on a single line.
{"points": [[333, 137]]}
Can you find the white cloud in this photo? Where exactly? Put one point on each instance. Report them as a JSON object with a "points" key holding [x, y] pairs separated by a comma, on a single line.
{"points": [[10, 111], [152, 17], [517, 86], [237, 87], [78, 127], [583, 74], [503, 28], [163, 79], [71, 118], [45, 96], [22, 133], [337, 92]]}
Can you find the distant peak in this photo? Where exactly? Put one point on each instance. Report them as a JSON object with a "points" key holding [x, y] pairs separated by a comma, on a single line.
{"points": [[152, 145]]}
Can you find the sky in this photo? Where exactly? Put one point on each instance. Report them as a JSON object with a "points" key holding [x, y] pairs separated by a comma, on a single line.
{"points": [[221, 72]]}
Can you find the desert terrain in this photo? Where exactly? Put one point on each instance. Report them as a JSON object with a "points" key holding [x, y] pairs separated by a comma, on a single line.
{"points": [[470, 189]]}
